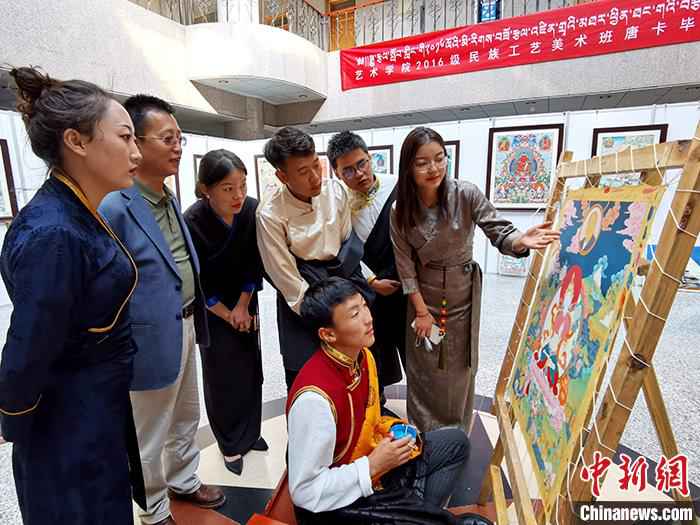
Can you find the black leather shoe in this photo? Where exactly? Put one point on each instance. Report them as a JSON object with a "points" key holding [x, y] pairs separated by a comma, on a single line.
{"points": [[235, 466], [473, 519], [260, 445]]}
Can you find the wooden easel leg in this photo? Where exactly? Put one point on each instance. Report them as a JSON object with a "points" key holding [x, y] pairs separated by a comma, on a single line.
{"points": [[487, 485], [676, 242]]}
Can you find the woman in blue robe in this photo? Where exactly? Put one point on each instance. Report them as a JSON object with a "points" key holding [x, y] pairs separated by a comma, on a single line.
{"points": [[66, 365]]}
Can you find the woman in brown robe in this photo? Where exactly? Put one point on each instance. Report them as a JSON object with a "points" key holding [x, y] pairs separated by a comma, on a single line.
{"points": [[432, 230]]}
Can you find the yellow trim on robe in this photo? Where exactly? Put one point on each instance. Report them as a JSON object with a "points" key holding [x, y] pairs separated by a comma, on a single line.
{"points": [[21, 412], [338, 356], [352, 430], [343, 360], [83, 199], [375, 426]]}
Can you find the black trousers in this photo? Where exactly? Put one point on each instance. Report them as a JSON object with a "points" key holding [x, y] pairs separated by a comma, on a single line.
{"points": [[389, 315], [233, 378], [414, 493]]}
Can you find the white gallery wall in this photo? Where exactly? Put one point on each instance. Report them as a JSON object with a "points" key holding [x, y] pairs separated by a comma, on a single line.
{"points": [[682, 119]]}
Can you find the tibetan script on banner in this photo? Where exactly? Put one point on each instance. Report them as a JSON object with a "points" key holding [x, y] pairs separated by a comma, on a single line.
{"points": [[595, 28]]}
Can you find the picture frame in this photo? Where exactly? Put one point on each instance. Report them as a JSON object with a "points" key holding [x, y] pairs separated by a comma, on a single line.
{"points": [[266, 179], [197, 158], [521, 165], [325, 164], [452, 148], [173, 183], [382, 159], [609, 140], [615, 139], [513, 266], [8, 195]]}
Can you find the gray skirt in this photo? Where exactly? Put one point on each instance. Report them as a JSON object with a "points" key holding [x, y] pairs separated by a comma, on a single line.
{"points": [[440, 396]]}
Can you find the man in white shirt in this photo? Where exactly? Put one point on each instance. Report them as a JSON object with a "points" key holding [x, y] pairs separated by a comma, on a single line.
{"points": [[371, 197], [304, 234], [344, 465]]}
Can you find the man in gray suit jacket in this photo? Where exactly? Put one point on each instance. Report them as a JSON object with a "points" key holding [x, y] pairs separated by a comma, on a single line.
{"points": [[168, 316]]}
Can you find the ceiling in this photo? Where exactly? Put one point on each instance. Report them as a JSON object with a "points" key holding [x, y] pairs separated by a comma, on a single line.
{"points": [[272, 91]]}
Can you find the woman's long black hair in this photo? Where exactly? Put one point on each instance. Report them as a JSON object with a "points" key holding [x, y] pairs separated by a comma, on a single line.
{"points": [[407, 201]]}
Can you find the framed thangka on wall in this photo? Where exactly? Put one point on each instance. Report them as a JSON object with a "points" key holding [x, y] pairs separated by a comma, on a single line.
{"points": [[576, 312], [8, 198], [173, 184], [382, 159], [266, 180], [452, 147], [197, 159], [513, 266], [325, 165], [615, 140], [521, 164]]}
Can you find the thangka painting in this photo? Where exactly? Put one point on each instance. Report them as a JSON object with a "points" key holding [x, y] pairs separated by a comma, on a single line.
{"points": [[513, 266], [268, 182], [197, 160], [173, 184], [521, 165], [615, 140], [576, 312], [265, 178], [452, 148], [382, 159]]}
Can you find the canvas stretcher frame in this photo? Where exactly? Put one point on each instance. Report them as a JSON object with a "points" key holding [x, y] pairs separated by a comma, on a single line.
{"points": [[644, 322]]}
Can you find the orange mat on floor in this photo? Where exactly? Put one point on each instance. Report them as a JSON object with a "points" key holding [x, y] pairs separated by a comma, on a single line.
{"points": [[187, 514]]}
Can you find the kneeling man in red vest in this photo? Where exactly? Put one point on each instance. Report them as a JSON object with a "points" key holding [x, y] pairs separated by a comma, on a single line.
{"points": [[345, 466]]}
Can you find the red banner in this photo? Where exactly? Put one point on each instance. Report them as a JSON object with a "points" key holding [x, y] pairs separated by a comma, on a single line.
{"points": [[595, 28]]}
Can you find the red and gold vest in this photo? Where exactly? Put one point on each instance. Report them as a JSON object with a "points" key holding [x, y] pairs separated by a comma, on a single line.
{"points": [[345, 385], [352, 390]]}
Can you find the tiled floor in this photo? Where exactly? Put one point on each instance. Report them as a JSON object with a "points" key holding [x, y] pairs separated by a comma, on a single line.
{"points": [[263, 470], [677, 362]]}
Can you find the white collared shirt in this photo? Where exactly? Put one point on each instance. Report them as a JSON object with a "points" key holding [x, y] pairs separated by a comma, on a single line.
{"points": [[313, 484], [365, 214], [288, 227]]}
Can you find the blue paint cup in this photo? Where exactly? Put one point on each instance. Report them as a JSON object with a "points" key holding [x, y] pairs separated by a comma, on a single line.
{"points": [[401, 430]]}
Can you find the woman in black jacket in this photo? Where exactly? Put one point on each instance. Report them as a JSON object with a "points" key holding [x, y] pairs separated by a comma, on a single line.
{"points": [[222, 224]]}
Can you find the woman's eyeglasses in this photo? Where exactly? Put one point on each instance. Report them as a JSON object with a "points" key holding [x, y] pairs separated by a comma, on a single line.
{"points": [[423, 166]]}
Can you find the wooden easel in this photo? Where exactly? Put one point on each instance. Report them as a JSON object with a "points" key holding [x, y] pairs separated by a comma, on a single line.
{"points": [[644, 324]]}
